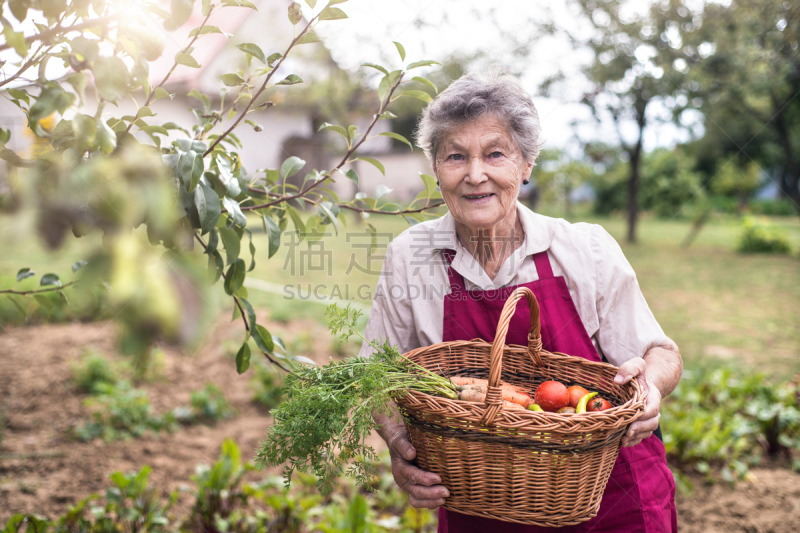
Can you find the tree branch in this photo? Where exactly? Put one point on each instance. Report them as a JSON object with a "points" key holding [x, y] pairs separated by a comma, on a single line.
{"points": [[247, 326], [174, 66], [37, 291], [354, 208], [46, 35], [344, 160], [261, 90]]}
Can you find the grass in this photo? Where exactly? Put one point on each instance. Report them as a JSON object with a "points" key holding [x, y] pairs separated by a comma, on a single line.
{"points": [[714, 302]]}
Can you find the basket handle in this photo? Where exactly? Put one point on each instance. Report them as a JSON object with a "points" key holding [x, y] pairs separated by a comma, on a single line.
{"points": [[494, 397]]}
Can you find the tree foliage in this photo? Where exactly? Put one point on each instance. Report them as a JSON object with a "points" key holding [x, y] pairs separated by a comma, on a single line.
{"points": [[160, 192]]}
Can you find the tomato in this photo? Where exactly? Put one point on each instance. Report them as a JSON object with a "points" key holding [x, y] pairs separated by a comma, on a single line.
{"points": [[599, 404], [576, 392], [551, 396]]}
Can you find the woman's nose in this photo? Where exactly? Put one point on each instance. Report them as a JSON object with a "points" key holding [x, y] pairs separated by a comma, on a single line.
{"points": [[475, 171]]}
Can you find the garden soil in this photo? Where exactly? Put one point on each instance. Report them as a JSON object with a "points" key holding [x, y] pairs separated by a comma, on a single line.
{"points": [[44, 470]]}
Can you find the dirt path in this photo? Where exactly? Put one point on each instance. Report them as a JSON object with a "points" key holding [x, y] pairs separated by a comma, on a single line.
{"points": [[44, 405]]}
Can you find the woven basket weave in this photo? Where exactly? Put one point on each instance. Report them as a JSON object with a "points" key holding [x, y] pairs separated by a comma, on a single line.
{"points": [[521, 466]]}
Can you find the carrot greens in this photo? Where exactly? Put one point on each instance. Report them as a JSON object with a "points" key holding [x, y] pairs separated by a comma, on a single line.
{"points": [[323, 424]]}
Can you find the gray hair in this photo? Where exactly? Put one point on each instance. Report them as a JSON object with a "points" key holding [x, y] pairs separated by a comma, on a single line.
{"points": [[470, 97]]}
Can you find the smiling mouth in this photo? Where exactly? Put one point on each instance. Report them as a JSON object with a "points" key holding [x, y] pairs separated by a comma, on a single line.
{"points": [[478, 196]]}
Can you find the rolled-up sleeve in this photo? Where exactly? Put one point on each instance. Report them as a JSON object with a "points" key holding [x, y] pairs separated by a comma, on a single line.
{"points": [[627, 327], [391, 316]]}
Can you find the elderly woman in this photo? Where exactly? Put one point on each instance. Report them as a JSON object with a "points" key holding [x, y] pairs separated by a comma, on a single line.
{"points": [[447, 279]]}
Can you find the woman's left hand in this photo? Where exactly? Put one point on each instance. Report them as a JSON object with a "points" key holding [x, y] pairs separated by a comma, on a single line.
{"points": [[648, 423]]}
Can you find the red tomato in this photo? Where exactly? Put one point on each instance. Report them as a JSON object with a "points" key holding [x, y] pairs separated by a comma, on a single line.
{"points": [[598, 404], [551, 396], [576, 392]]}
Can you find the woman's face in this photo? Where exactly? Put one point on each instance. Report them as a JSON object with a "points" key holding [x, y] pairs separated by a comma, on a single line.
{"points": [[480, 170]]}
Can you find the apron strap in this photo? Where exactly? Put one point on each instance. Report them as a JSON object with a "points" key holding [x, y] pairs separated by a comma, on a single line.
{"points": [[456, 280], [542, 263]]}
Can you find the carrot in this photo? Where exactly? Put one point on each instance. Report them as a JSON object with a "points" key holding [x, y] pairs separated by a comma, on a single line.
{"points": [[473, 382], [479, 395]]}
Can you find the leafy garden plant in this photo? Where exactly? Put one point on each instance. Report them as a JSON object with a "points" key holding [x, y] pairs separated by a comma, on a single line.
{"points": [[160, 192]]}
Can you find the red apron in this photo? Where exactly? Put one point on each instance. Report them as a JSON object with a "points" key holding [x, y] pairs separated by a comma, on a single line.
{"points": [[640, 495]]}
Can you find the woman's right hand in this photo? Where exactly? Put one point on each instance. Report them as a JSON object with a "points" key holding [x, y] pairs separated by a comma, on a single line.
{"points": [[423, 488]]}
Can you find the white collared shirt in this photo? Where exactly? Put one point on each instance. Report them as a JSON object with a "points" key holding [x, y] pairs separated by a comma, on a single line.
{"points": [[407, 306]]}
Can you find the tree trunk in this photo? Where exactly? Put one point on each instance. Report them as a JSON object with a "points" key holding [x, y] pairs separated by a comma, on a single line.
{"points": [[633, 193]]}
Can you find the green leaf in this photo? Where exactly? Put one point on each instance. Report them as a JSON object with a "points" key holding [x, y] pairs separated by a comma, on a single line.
{"points": [[426, 81], [295, 13], [206, 206], [206, 30], [50, 279], [19, 8], [232, 80], [383, 88], [160, 92], [78, 82], [419, 95], [327, 214], [291, 79], [374, 162], [376, 67], [332, 13], [25, 273], [308, 38], [382, 190], [291, 166], [338, 129], [424, 63], [273, 234], [352, 174], [232, 242], [234, 278], [110, 77], [400, 50], [248, 310], [273, 58], [19, 307], [311, 3], [215, 267], [387, 115], [234, 211], [263, 338], [186, 59], [397, 136], [298, 222], [16, 40], [77, 265], [242, 358], [253, 50]]}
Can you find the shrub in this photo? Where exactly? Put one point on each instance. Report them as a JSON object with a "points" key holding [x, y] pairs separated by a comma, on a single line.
{"points": [[94, 373], [721, 421], [121, 413], [776, 208], [761, 236]]}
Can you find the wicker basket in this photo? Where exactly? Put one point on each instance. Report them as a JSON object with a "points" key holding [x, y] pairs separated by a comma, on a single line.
{"points": [[528, 467]]}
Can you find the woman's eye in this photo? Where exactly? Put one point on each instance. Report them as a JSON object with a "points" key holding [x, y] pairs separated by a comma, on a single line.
{"points": [[495, 155], [455, 157]]}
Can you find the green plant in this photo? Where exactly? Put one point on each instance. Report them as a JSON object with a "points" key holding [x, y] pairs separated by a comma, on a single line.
{"points": [[775, 208], [267, 386], [761, 236], [340, 398], [94, 373], [722, 421], [207, 405], [121, 413], [130, 504]]}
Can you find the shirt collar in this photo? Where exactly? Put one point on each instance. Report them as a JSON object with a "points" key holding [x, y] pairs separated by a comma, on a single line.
{"points": [[538, 232]]}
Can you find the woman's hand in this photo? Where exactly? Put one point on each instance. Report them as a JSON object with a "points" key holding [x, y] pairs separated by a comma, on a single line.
{"points": [[647, 424], [423, 488]]}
